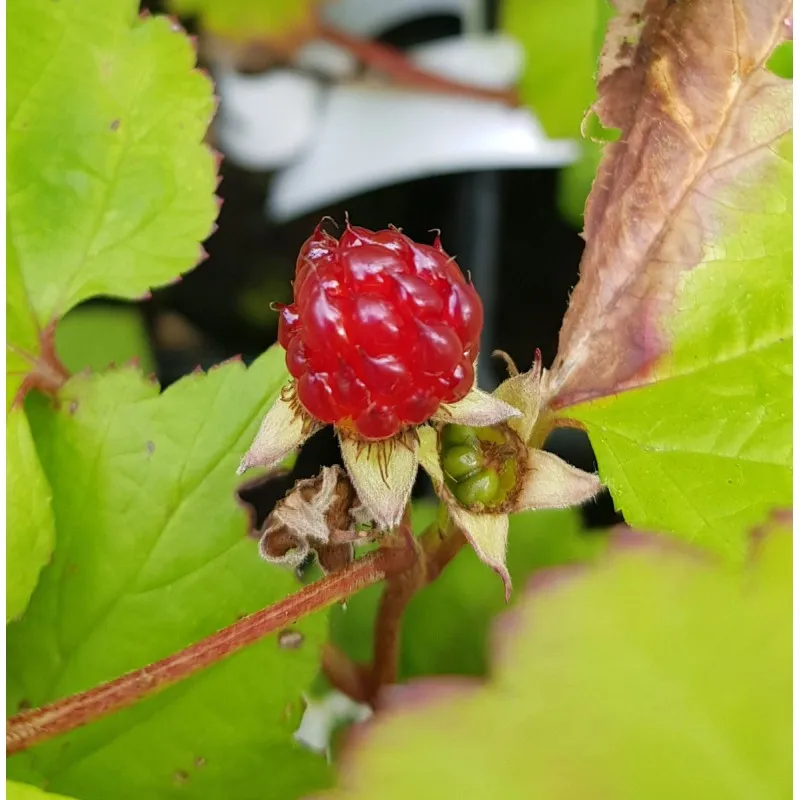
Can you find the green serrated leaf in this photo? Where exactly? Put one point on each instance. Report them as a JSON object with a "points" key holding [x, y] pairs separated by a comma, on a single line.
{"points": [[705, 449], [558, 39], [24, 791], [30, 531], [153, 555], [22, 332], [652, 675], [446, 626], [110, 188], [248, 19], [95, 337]]}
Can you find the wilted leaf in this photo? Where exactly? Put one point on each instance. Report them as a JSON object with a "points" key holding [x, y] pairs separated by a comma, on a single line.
{"points": [[675, 353], [651, 675], [153, 554], [445, 627], [110, 189]]}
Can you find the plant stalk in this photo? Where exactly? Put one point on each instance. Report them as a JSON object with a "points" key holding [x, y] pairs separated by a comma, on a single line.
{"points": [[32, 727]]}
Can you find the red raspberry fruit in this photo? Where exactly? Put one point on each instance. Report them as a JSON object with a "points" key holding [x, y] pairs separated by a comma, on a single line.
{"points": [[382, 330]]}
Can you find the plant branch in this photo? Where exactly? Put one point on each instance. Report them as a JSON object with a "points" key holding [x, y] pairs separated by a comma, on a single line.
{"points": [[31, 727], [397, 594], [345, 675], [433, 552], [394, 63]]}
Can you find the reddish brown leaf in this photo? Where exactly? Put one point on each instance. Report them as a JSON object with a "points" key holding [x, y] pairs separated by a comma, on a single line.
{"points": [[686, 85]]}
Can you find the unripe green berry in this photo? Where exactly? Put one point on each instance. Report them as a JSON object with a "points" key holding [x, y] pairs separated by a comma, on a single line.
{"points": [[457, 434], [481, 488], [461, 461], [480, 465], [492, 434]]}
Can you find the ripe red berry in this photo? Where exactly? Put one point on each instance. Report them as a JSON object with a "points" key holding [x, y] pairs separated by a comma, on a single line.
{"points": [[382, 330]]}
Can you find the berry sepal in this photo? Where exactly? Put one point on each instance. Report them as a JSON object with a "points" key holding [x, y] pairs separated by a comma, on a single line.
{"points": [[383, 474], [284, 428], [484, 474]]}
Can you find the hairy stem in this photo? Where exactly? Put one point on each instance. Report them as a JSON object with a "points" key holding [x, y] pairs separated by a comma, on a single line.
{"points": [[397, 594], [31, 727], [402, 71], [434, 550]]}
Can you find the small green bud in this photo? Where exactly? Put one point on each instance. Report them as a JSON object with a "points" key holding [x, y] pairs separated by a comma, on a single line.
{"points": [[480, 488], [492, 434], [508, 478], [457, 434], [481, 465], [461, 461]]}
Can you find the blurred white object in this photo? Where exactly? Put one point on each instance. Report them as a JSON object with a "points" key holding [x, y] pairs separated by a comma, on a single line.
{"points": [[490, 61], [339, 142], [322, 717], [326, 58], [369, 138], [266, 120]]}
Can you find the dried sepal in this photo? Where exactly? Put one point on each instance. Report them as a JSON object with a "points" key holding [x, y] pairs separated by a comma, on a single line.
{"points": [[549, 482], [488, 535], [544, 481], [383, 475], [478, 408], [524, 392], [284, 428], [311, 517]]}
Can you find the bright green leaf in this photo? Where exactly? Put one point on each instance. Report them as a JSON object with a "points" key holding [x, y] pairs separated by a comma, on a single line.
{"points": [[575, 180], [705, 450], [94, 337], [152, 555], [445, 627], [110, 188], [676, 351], [22, 332], [248, 19], [780, 61], [30, 531], [23, 791], [652, 675], [558, 39]]}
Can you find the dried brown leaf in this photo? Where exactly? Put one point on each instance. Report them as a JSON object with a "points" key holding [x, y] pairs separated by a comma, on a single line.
{"points": [[685, 84]]}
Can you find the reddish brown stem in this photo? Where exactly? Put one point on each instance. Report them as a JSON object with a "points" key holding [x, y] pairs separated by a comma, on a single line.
{"points": [[434, 550], [397, 594], [344, 674], [31, 727], [402, 71]]}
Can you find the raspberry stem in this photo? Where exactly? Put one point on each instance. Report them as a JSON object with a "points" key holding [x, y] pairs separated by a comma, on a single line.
{"points": [[32, 727], [408, 564]]}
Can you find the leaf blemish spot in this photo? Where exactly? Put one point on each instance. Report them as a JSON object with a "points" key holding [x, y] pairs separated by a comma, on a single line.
{"points": [[180, 777], [290, 640], [73, 406], [200, 762], [151, 447], [114, 124]]}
